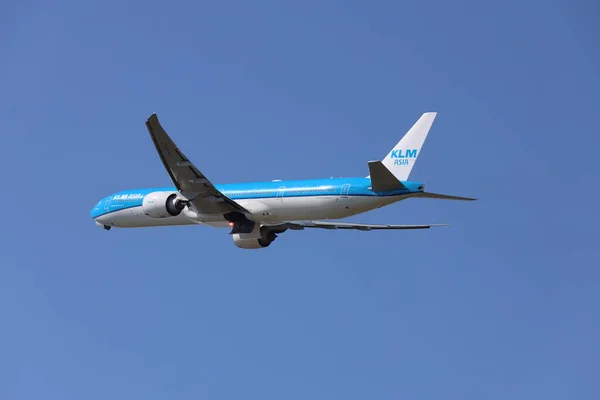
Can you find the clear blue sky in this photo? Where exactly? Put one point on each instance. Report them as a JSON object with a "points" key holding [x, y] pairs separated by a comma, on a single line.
{"points": [[501, 305]]}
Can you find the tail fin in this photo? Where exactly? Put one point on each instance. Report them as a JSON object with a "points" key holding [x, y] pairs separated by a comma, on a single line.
{"points": [[401, 159]]}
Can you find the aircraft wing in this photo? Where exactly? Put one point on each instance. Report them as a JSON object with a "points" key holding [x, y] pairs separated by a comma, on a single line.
{"points": [[299, 225], [204, 198]]}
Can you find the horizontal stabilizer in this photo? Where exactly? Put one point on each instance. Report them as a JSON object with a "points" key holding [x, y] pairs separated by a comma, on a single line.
{"points": [[382, 180], [440, 196]]}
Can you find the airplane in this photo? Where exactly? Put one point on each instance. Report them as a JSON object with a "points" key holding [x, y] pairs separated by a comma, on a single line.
{"points": [[257, 212]]}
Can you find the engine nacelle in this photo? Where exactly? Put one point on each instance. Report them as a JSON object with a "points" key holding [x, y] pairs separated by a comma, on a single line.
{"points": [[162, 205], [249, 243], [260, 237]]}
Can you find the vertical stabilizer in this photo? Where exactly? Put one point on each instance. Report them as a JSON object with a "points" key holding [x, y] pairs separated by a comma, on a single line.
{"points": [[401, 159]]}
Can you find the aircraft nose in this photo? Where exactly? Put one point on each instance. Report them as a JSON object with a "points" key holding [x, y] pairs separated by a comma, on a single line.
{"points": [[98, 215]]}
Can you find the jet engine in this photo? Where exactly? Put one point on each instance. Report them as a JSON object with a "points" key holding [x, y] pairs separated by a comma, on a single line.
{"points": [[162, 204], [246, 241]]}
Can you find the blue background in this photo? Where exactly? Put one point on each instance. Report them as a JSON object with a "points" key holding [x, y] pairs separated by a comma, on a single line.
{"points": [[502, 304]]}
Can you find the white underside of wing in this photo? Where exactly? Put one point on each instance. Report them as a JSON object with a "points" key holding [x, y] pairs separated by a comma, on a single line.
{"points": [[354, 226]]}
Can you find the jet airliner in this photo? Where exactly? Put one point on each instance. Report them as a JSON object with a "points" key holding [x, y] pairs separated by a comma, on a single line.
{"points": [[258, 212]]}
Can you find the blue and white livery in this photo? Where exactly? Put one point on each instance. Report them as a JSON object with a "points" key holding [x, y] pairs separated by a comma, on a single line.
{"points": [[257, 212]]}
